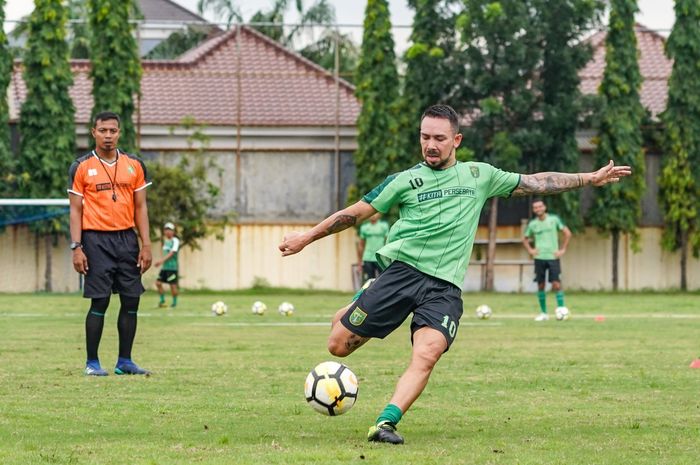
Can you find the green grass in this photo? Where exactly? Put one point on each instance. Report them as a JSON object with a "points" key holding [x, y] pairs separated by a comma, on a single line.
{"points": [[510, 391]]}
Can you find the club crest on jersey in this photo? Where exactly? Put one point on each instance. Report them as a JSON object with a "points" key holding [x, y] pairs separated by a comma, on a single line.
{"points": [[357, 317], [92, 172], [475, 171], [131, 169]]}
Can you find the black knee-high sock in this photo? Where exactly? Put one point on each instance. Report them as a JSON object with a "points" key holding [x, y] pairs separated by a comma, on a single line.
{"points": [[127, 324], [94, 322]]}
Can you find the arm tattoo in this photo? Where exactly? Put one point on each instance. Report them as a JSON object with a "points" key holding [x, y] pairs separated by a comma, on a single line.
{"points": [[548, 183], [341, 222]]}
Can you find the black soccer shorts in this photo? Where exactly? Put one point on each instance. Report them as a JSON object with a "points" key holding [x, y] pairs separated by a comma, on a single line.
{"points": [[399, 291], [543, 266], [167, 276], [112, 264]]}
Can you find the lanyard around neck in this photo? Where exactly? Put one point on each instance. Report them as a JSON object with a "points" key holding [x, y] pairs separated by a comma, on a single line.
{"points": [[113, 183]]}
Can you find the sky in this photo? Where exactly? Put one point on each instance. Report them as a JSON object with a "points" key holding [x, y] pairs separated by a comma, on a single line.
{"points": [[654, 14]]}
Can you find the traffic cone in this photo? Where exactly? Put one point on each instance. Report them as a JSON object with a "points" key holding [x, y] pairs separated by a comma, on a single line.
{"points": [[695, 363]]}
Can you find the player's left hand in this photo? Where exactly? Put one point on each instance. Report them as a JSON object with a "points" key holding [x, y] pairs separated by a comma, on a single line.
{"points": [[559, 253], [294, 242], [609, 173], [145, 259]]}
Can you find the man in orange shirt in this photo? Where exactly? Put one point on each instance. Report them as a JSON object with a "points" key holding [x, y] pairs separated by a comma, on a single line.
{"points": [[107, 201]]}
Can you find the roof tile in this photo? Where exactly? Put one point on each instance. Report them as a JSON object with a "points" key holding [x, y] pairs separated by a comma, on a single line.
{"points": [[654, 66], [272, 85]]}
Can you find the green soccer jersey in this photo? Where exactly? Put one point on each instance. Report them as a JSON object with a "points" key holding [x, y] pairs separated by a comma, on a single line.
{"points": [[439, 213], [171, 245], [546, 235], [375, 237]]}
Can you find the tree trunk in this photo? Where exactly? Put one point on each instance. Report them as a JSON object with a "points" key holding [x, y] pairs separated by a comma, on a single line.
{"points": [[491, 250], [615, 261], [48, 244], [684, 261]]}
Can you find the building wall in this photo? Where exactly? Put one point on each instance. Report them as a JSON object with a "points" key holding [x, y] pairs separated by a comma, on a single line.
{"points": [[248, 254]]}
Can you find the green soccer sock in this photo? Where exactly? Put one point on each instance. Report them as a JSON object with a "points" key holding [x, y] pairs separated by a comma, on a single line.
{"points": [[162, 298], [560, 298], [174, 300], [542, 298], [391, 414]]}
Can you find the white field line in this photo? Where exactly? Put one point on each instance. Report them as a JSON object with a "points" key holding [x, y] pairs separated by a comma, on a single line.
{"points": [[312, 323], [206, 314]]}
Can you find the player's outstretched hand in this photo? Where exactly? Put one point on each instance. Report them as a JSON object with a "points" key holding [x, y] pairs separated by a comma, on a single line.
{"points": [[292, 243], [609, 173]]}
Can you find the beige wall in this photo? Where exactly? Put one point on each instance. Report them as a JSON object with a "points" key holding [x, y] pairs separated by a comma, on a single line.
{"points": [[23, 263], [250, 251]]}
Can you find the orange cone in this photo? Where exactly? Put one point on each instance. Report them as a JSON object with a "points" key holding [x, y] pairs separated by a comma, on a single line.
{"points": [[695, 363], [599, 318]]}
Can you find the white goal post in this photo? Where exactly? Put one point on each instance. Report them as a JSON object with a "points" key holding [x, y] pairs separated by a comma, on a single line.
{"points": [[40, 202]]}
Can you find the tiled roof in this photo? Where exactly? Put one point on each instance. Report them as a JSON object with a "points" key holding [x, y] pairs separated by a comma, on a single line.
{"points": [[276, 87], [654, 66]]}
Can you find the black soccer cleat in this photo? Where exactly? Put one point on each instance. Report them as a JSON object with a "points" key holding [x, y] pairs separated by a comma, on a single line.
{"points": [[384, 432]]}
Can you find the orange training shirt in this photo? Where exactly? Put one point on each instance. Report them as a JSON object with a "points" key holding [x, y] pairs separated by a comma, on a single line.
{"points": [[108, 189]]}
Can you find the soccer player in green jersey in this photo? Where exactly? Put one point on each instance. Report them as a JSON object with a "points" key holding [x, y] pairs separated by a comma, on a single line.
{"points": [[427, 253], [169, 272], [543, 230], [373, 234]]}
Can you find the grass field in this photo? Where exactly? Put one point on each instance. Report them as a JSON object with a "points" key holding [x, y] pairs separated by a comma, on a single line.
{"points": [[229, 390]]}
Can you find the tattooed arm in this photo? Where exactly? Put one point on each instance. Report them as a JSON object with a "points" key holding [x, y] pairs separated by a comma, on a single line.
{"points": [[554, 183], [294, 242]]}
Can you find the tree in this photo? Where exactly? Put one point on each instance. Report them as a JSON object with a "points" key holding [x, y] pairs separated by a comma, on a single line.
{"points": [[320, 12], [679, 183], [503, 51], [47, 127], [271, 23], [617, 206], [377, 83], [6, 158], [564, 22], [178, 43], [116, 67], [183, 194], [323, 51], [430, 69], [226, 9]]}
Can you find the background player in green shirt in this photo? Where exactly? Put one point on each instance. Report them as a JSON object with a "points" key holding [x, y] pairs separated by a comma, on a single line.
{"points": [[427, 253], [169, 272], [373, 234], [543, 230]]}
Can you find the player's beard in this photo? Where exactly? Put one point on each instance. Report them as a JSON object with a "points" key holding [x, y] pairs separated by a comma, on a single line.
{"points": [[441, 164]]}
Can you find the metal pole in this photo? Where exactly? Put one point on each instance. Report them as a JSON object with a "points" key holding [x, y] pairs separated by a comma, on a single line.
{"points": [[336, 75], [138, 96], [239, 97]]}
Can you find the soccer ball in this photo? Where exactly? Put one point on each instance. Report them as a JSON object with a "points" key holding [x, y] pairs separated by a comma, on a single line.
{"points": [[562, 313], [286, 309], [258, 308], [483, 312], [219, 308], [331, 388]]}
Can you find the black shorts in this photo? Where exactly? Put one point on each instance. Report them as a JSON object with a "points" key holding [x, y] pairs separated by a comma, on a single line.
{"points": [[398, 291], [112, 264], [370, 270], [541, 268], [167, 276]]}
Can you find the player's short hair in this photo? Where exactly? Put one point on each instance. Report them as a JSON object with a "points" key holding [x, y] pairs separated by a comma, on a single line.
{"points": [[106, 115], [443, 112]]}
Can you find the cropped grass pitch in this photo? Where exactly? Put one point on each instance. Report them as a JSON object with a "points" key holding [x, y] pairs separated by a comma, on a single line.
{"points": [[229, 390]]}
